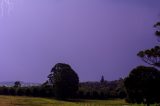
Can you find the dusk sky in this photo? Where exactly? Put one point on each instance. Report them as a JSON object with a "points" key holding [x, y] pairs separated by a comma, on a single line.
{"points": [[96, 37]]}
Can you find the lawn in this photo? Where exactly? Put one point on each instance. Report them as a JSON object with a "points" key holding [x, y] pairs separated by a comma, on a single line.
{"points": [[31, 101]]}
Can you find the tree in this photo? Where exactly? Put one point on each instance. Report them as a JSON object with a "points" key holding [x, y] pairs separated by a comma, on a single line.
{"points": [[17, 84], [65, 81], [142, 85], [102, 79], [35, 90], [152, 56], [27, 91], [157, 25], [20, 91], [12, 91]]}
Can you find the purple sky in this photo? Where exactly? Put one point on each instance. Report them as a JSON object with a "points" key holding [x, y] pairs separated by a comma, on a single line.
{"points": [[96, 37]]}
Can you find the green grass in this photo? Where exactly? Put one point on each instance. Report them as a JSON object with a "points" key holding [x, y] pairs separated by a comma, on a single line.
{"points": [[31, 101]]}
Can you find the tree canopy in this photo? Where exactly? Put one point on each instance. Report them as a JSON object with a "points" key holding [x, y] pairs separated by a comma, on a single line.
{"points": [[102, 79], [17, 84], [157, 25], [152, 56], [142, 85], [65, 81]]}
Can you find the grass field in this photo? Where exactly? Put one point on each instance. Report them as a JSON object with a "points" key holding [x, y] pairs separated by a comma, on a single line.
{"points": [[30, 101]]}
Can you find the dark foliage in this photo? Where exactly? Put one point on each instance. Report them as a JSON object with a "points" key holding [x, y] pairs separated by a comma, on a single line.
{"points": [[87, 90], [12, 91], [28, 91], [20, 91], [37, 91], [4, 90], [105, 90], [157, 25], [65, 81], [142, 85], [102, 79], [152, 56], [17, 84]]}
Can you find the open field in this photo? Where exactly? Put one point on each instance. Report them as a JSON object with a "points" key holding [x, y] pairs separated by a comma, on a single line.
{"points": [[30, 101]]}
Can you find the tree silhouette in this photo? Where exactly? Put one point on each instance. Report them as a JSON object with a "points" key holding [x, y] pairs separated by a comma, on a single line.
{"points": [[65, 81], [12, 91], [142, 85], [152, 56], [17, 84], [102, 79], [157, 25]]}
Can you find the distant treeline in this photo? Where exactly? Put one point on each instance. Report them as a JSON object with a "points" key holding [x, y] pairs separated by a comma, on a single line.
{"points": [[36, 91], [87, 90], [102, 90]]}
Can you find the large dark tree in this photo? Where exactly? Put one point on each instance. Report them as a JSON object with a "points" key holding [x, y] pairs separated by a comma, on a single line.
{"points": [[65, 81], [152, 56], [142, 85]]}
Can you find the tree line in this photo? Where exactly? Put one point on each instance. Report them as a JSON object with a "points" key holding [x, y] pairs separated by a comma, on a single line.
{"points": [[86, 90]]}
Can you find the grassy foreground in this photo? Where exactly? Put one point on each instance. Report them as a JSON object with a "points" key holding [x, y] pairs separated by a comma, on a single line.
{"points": [[30, 101]]}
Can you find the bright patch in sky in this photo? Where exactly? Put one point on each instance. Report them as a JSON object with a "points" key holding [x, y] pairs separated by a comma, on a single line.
{"points": [[5, 7]]}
